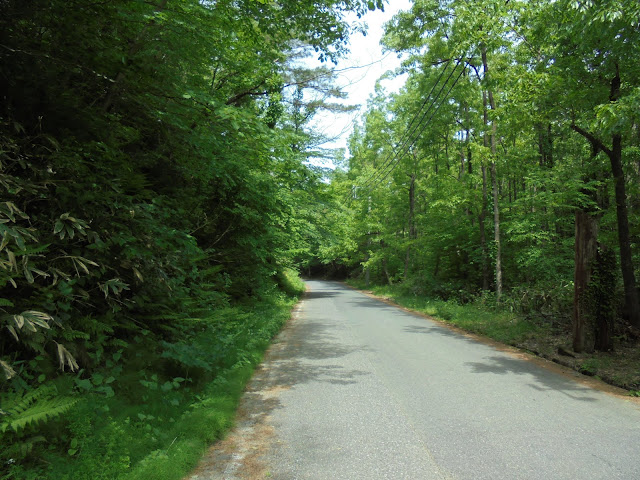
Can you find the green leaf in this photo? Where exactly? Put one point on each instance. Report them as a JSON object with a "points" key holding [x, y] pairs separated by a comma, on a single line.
{"points": [[58, 226], [5, 303], [84, 384]]}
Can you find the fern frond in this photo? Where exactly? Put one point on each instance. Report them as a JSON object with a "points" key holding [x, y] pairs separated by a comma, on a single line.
{"points": [[25, 446], [40, 412], [70, 335], [14, 404], [36, 406]]}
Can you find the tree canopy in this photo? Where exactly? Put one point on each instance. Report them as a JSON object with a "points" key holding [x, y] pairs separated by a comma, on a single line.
{"points": [[153, 163], [157, 190], [517, 119]]}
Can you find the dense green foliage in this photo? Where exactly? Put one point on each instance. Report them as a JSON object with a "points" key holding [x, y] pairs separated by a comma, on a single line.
{"points": [[156, 198], [155, 193], [466, 185]]}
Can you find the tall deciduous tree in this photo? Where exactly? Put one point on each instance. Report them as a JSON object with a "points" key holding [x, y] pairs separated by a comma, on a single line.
{"points": [[549, 91]]}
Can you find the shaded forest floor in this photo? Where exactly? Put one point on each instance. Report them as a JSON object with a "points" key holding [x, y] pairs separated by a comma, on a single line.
{"points": [[620, 368]]}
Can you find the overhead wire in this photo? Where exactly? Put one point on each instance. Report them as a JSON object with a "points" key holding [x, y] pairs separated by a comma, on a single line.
{"points": [[388, 164], [418, 136], [407, 132], [404, 150]]}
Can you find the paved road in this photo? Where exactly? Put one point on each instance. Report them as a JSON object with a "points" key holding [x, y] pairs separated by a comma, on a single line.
{"points": [[356, 389]]}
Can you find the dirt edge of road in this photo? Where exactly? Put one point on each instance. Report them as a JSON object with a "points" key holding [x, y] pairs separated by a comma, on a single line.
{"points": [[240, 455]]}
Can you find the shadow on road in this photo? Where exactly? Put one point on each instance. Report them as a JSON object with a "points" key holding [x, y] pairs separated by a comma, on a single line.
{"points": [[303, 354], [420, 329], [544, 380], [435, 330], [321, 294], [371, 303]]}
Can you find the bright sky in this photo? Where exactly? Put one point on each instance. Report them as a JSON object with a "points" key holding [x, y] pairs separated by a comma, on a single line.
{"points": [[359, 83]]}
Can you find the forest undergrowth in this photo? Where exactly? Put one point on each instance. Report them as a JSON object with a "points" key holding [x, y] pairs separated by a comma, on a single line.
{"points": [[154, 408]]}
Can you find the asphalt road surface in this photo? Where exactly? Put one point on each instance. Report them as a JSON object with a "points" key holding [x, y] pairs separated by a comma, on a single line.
{"points": [[356, 389]]}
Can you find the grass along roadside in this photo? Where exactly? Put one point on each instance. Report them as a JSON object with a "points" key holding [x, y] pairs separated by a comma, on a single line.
{"points": [[160, 413], [620, 368]]}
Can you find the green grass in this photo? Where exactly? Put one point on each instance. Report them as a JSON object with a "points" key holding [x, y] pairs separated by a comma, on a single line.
{"points": [[505, 327]]}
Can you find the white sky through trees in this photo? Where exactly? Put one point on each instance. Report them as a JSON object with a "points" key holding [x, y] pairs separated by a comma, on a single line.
{"points": [[359, 83]]}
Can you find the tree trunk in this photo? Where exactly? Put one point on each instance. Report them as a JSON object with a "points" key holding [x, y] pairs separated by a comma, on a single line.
{"points": [[385, 263], [585, 250], [632, 306], [483, 235], [496, 232], [483, 211], [367, 271], [412, 228], [631, 300], [494, 179], [465, 149], [602, 291], [545, 145]]}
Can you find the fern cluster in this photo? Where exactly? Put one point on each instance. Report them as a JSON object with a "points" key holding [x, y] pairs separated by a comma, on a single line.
{"points": [[22, 414]]}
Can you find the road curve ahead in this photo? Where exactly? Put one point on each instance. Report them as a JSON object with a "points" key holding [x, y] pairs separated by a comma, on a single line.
{"points": [[356, 389]]}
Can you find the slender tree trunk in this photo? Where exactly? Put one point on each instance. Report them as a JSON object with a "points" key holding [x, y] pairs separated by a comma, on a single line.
{"points": [[412, 228], [494, 180], [585, 250], [446, 152], [545, 145], [632, 305], [603, 291], [385, 263], [367, 271], [467, 139], [483, 211], [483, 234], [496, 232]]}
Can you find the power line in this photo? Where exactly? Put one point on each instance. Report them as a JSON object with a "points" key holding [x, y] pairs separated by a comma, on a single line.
{"points": [[404, 150], [408, 131], [395, 155], [418, 136], [356, 67]]}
